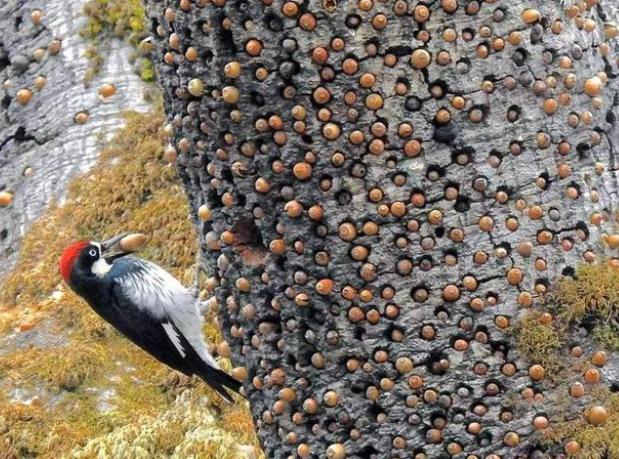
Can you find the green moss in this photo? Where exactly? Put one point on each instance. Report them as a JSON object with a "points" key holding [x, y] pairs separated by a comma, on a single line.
{"points": [[540, 342], [125, 19], [147, 70], [591, 298], [95, 61], [596, 442]]}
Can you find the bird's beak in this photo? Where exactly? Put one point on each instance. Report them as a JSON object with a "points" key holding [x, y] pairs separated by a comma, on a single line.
{"points": [[112, 250]]}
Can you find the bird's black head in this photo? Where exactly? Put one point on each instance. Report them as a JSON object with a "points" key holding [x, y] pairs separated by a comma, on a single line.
{"points": [[88, 259]]}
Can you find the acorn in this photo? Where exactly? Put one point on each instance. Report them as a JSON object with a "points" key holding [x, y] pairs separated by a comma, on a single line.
{"points": [[196, 87], [36, 16], [6, 198], [132, 242], [324, 286], [107, 90], [81, 117], [597, 415], [23, 96], [336, 451], [204, 213]]}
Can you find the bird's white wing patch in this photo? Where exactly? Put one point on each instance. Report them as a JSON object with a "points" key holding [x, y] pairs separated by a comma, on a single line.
{"points": [[176, 340], [153, 289]]}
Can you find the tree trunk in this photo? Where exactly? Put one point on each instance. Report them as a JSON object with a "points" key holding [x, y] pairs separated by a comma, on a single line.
{"points": [[384, 186]]}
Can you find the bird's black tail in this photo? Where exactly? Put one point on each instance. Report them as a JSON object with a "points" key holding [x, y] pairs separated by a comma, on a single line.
{"points": [[219, 380]]}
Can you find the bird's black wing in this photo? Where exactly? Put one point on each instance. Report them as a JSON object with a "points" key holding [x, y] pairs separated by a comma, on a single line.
{"points": [[161, 338]]}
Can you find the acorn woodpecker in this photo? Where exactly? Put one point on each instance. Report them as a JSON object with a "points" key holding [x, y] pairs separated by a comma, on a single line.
{"points": [[147, 305]]}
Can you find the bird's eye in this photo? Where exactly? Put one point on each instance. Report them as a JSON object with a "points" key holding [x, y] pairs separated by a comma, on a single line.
{"points": [[92, 253]]}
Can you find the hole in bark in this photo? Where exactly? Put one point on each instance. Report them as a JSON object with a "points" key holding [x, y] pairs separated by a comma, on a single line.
{"points": [[368, 452], [257, 99], [439, 232], [412, 103], [435, 363], [18, 21], [344, 197], [520, 56], [4, 60], [435, 172], [273, 22], [438, 89], [462, 156], [400, 51], [468, 34], [154, 23], [513, 113], [4, 234], [463, 204], [353, 21], [6, 101], [568, 271]]}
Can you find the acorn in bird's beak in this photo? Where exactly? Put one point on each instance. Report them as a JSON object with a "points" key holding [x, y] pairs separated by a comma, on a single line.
{"points": [[121, 245]]}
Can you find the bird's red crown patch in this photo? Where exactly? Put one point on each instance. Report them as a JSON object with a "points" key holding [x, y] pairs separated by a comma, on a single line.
{"points": [[68, 258]]}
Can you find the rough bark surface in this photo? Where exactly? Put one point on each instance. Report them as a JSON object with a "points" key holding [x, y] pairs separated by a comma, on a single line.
{"points": [[429, 235], [41, 145]]}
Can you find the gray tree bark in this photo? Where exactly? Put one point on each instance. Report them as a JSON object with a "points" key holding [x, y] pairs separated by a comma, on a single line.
{"points": [[386, 186], [54, 136]]}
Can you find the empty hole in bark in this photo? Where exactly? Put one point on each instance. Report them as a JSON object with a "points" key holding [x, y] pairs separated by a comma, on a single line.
{"points": [[463, 204], [412, 104], [344, 197], [18, 21], [360, 333], [614, 387], [568, 271], [226, 40], [154, 23], [207, 55], [484, 438], [520, 56], [307, 138], [358, 169], [226, 174], [257, 99], [4, 234], [273, 22], [582, 148], [368, 452], [249, 243], [439, 232], [610, 117], [6, 101], [4, 61]]}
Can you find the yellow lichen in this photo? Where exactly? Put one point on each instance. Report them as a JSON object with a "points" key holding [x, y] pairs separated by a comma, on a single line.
{"points": [[596, 442], [540, 342], [594, 291], [74, 386]]}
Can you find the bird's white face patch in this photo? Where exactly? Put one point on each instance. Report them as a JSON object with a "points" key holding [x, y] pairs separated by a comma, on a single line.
{"points": [[100, 267], [176, 340]]}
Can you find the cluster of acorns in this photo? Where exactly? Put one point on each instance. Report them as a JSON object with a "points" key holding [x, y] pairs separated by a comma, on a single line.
{"points": [[383, 186]]}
